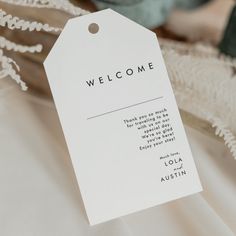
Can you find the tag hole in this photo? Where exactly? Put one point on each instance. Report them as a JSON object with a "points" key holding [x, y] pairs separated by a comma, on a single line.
{"points": [[93, 28]]}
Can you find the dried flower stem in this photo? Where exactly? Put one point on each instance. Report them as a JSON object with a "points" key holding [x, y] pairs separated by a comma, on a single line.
{"points": [[9, 45], [223, 132], [12, 22], [63, 5], [8, 70]]}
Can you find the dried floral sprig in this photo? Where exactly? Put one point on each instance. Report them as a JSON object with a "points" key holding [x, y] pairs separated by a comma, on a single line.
{"points": [[224, 132], [9, 45], [7, 69], [63, 5], [13, 22]]}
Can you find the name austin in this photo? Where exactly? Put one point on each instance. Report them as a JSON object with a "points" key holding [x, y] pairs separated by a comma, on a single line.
{"points": [[129, 72]]}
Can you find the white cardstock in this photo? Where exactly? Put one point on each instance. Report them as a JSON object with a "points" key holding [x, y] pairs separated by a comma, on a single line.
{"points": [[119, 116]]}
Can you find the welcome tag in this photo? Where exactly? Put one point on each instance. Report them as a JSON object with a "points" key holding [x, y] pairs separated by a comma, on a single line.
{"points": [[119, 116]]}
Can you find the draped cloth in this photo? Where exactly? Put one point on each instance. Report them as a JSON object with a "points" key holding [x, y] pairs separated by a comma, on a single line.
{"points": [[39, 194]]}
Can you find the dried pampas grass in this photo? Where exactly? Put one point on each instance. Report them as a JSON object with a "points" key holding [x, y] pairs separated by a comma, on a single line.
{"points": [[16, 23], [204, 83]]}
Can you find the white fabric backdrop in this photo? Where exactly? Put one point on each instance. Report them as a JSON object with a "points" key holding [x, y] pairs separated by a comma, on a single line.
{"points": [[39, 195]]}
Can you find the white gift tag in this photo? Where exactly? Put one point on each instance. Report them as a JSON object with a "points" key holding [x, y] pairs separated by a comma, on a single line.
{"points": [[119, 116]]}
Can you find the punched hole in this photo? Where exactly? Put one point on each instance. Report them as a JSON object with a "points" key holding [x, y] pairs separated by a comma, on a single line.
{"points": [[93, 28]]}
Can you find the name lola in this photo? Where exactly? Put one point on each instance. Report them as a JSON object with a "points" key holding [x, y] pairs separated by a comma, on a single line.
{"points": [[118, 75]]}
